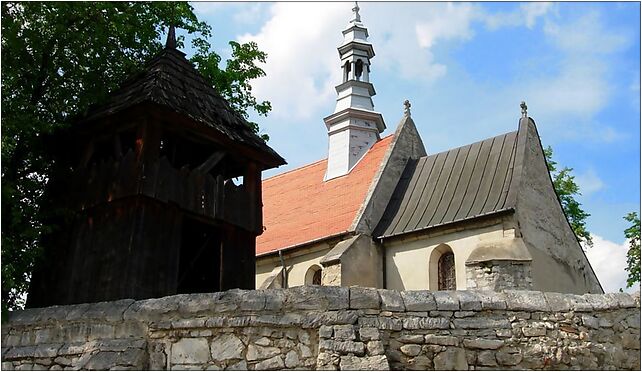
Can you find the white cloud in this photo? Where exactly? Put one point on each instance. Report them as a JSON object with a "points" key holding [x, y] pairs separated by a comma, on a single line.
{"points": [[589, 182], [585, 35], [451, 22], [300, 40], [526, 15], [609, 261]]}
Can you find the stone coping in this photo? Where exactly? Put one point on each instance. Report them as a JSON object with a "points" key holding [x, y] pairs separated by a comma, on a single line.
{"points": [[319, 298]]}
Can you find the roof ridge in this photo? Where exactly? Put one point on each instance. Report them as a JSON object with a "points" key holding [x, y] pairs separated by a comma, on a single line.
{"points": [[469, 144], [320, 160]]}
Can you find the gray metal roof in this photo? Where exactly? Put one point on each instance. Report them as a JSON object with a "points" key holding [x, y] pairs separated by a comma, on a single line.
{"points": [[450, 186]]}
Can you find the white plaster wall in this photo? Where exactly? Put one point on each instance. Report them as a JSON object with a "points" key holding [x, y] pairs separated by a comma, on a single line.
{"points": [[360, 142], [338, 152], [297, 264], [407, 262]]}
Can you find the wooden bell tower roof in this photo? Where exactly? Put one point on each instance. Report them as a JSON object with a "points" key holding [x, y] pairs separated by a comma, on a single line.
{"points": [[171, 81]]}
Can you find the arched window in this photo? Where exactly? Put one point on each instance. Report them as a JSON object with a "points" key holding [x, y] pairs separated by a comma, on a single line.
{"points": [[446, 272], [313, 276], [442, 273], [346, 71], [358, 69]]}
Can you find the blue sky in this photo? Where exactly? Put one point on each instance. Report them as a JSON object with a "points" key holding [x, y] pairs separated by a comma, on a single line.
{"points": [[465, 67]]}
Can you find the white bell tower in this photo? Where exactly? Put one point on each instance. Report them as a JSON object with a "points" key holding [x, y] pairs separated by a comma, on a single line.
{"points": [[354, 126]]}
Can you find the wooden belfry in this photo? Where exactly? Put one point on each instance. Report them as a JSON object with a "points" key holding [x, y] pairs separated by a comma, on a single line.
{"points": [[150, 184]]}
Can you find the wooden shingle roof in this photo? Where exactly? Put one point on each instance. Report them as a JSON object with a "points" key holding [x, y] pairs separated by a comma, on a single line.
{"points": [[455, 185], [170, 80]]}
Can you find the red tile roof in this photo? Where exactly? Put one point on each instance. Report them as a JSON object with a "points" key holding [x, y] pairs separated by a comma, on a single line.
{"points": [[299, 207]]}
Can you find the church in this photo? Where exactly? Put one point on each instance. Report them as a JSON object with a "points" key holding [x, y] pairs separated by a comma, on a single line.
{"points": [[380, 211]]}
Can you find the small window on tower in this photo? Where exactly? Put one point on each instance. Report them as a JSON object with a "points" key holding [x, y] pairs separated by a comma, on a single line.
{"points": [[358, 69]]}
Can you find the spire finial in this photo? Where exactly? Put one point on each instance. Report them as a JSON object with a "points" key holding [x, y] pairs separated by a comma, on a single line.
{"points": [[357, 17], [171, 38], [524, 109], [406, 107]]}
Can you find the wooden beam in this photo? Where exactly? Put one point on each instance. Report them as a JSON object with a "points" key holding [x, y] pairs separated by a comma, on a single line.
{"points": [[211, 162]]}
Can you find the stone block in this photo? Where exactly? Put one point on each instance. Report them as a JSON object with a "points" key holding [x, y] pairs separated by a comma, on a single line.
{"points": [[375, 348], [190, 351], [263, 341], [452, 359], [425, 323], [239, 366], [446, 300], [409, 338], [369, 333], [305, 351], [292, 359], [189, 323], [633, 321], [364, 298], [480, 343], [418, 300], [600, 301], [20, 352], [508, 359], [590, 321], [252, 301], [468, 300], [481, 323], [226, 346], [558, 302], [372, 363], [526, 301], [411, 350], [533, 331], [317, 298], [273, 363], [152, 309], [344, 332], [47, 350], [391, 300], [256, 352], [441, 340], [102, 360], [342, 347], [274, 299], [464, 314], [325, 331], [111, 311], [486, 358], [624, 300], [491, 300]]}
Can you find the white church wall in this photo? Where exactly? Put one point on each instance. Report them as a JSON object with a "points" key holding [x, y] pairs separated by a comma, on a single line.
{"points": [[297, 264], [408, 261]]}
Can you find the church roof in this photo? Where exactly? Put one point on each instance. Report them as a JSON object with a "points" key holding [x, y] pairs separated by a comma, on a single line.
{"points": [[170, 80], [454, 185], [300, 207]]}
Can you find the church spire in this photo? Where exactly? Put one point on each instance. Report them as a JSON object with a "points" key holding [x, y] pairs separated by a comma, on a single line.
{"points": [[354, 126], [171, 38]]}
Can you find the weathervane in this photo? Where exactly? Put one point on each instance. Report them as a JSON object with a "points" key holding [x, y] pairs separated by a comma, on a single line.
{"points": [[524, 109], [357, 17], [406, 107]]}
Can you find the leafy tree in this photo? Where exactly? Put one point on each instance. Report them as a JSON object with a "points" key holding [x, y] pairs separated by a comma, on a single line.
{"points": [[633, 254], [567, 190], [57, 59]]}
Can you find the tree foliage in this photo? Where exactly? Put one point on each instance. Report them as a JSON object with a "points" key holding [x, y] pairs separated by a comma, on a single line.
{"points": [[567, 190], [57, 59], [632, 233]]}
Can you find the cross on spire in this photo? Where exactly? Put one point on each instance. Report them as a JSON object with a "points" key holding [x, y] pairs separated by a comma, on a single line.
{"points": [[406, 107], [524, 109], [357, 17]]}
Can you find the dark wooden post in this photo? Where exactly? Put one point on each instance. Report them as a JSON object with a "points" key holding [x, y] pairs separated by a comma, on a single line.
{"points": [[252, 183]]}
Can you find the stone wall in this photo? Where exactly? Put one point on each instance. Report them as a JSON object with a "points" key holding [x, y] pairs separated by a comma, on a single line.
{"points": [[329, 328], [496, 275]]}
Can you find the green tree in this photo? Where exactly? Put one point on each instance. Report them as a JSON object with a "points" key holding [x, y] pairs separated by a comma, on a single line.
{"points": [[632, 233], [567, 190], [57, 59]]}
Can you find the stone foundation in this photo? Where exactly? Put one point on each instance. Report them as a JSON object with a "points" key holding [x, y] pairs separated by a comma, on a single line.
{"points": [[499, 275], [330, 328]]}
